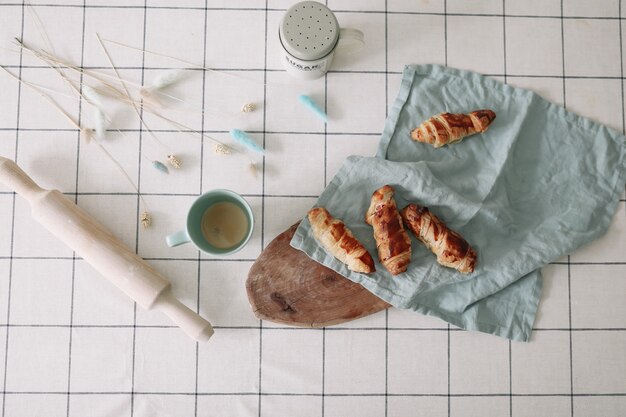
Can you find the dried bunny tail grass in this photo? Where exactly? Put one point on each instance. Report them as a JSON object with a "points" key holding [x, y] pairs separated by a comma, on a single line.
{"points": [[192, 64], [101, 123], [111, 91], [100, 119], [125, 88], [92, 96], [160, 166], [87, 93], [106, 89], [162, 81], [86, 133], [244, 139], [58, 64]]}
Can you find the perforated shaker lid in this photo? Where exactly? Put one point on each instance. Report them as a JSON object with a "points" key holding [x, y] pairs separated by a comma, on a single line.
{"points": [[309, 30]]}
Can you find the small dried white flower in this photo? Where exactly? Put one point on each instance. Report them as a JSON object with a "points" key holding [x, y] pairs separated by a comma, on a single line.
{"points": [[174, 161], [146, 219], [248, 107], [222, 149]]}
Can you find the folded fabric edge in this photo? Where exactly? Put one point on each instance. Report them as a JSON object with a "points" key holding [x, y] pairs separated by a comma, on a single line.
{"points": [[391, 122], [520, 333]]}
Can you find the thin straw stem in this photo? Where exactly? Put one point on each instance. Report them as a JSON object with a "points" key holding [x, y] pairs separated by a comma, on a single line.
{"points": [[123, 84], [74, 123], [197, 65], [50, 60], [45, 96], [55, 62]]}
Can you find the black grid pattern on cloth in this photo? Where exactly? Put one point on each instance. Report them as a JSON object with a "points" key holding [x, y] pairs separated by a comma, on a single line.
{"points": [[5, 317]]}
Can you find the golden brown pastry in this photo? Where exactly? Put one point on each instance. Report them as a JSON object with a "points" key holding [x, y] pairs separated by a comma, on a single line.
{"points": [[450, 247], [448, 128], [392, 241], [337, 239]]}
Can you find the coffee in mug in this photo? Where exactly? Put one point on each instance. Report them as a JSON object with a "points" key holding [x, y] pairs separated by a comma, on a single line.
{"points": [[224, 224], [219, 222]]}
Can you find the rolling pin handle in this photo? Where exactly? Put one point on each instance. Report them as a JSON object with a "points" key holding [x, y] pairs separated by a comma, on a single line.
{"points": [[17, 180], [190, 322]]}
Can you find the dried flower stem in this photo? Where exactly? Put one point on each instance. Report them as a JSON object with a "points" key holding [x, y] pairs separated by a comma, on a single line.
{"points": [[97, 75], [42, 31], [111, 91], [39, 25], [123, 84], [56, 62], [202, 67], [74, 123]]}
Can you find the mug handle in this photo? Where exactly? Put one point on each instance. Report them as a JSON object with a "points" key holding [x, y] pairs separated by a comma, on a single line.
{"points": [[177, 239], [350, 41]]}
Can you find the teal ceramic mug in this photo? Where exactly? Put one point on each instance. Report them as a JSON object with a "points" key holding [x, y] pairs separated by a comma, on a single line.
{"points": [[219, 222]]}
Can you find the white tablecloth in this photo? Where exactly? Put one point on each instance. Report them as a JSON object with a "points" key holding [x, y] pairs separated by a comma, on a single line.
{"points": [[71, 344]]}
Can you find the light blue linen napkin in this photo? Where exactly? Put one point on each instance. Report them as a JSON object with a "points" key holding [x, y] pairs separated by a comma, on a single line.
{"points": [[538, 184]]}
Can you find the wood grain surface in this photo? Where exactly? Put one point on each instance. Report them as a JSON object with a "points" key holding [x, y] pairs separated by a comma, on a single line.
{"points": [[285, 286]]}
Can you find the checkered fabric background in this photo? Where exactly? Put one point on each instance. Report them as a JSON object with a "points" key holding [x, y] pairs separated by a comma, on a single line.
{"points": [[72, 345]]}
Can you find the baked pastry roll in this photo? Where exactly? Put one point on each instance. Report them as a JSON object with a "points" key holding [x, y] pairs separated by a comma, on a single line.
{"points": [[448, 128], [392, 241], [337, 239], [451, 249]]}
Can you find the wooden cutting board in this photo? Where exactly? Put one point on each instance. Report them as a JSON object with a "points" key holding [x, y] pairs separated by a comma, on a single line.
{"points": [[286, 286]]}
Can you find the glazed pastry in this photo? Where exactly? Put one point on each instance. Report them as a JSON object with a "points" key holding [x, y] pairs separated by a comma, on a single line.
{"points": [[392, 241], [448, 128], [450, 247], [337, 239]]}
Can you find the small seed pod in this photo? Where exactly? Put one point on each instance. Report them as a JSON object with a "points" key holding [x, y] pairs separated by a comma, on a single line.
{"points": [[248, 107], [146, 219], [174, 161], [222, 149]]}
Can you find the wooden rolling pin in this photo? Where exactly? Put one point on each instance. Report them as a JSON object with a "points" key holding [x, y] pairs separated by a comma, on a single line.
{"points": [[103, 251]]}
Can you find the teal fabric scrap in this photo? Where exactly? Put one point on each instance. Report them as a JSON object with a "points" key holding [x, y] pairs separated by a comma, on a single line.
{"points": [[541, 182]]}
